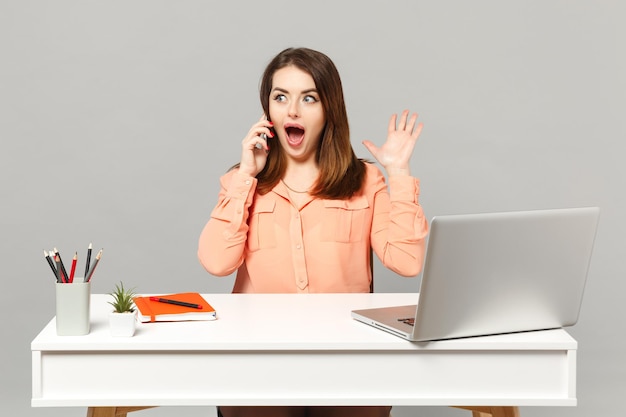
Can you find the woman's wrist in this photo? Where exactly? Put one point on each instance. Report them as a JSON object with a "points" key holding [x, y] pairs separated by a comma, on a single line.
{"points": [[394, 171], [247, 173]]}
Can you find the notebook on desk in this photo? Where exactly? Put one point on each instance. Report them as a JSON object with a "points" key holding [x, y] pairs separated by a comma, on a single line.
{"points": [[497, 273]]}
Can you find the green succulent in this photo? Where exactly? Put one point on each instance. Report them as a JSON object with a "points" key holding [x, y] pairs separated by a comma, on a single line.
{"points": [[122, 299]]}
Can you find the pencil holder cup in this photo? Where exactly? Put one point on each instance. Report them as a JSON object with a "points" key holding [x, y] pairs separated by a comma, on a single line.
{"points": [[72, 308]]}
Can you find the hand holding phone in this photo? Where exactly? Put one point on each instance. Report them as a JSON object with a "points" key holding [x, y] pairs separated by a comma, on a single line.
{"points": [[255, 147]]}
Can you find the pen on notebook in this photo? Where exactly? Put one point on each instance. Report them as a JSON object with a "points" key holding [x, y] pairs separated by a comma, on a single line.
{"points": [[88, 260], [93, 267], [73, 269], [51, 263], [178, 303], [64, 276]]}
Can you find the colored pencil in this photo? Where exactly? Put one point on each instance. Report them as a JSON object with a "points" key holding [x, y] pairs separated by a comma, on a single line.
{"points": [[65, 277], [59, 273], [73, 270], [88, 260], [51, 263], [93, 267]]}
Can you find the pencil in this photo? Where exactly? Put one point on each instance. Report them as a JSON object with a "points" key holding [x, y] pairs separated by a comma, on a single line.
{"points": [[49, 259], [59, 273], [93, 267], [74, 259], [65, 277], [88, 260]]}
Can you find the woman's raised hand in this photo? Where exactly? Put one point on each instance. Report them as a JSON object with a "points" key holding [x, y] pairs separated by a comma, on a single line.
{"points": [[395, 154], [255, 148]]}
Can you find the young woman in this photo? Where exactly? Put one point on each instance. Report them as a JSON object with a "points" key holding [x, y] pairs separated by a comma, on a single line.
{"points": [[301, 213]]}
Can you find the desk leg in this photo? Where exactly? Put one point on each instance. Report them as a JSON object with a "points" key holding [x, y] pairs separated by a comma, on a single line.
{"points": [[492, 411], [112, 411]]}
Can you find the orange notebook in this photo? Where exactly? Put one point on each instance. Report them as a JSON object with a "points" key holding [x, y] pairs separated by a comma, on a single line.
{"points": [[150, 309]]}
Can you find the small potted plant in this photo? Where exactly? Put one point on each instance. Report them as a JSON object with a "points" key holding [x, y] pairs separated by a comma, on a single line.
{"points": [[123, 318]]}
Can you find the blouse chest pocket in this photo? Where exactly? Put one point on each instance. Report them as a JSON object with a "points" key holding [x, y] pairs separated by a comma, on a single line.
{"points": [[345, 220], [261, 232]]}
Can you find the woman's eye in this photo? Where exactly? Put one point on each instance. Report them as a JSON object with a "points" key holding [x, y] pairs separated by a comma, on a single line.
{"points": [[280, 98], [310, 99]]}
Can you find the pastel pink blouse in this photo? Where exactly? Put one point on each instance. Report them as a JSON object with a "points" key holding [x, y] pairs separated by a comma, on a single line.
{"points": [[321, 246]]}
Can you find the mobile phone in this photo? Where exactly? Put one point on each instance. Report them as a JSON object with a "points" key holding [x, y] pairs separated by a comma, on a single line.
{"points": [[264, 137]]}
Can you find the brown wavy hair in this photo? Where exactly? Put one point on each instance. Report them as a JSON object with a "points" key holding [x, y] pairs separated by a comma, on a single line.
{"points": [[341, 172]]}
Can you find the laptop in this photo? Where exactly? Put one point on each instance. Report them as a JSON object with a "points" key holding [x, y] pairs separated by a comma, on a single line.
{"points": [[495, 273]]}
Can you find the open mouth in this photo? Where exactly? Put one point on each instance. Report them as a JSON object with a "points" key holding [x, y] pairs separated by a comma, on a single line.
{"points": [[295, 135]]}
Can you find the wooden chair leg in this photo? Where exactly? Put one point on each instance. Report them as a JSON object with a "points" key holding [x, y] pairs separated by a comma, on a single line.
{"points": [[492, 411], [112, 411], [505, 411], [101, 412]]}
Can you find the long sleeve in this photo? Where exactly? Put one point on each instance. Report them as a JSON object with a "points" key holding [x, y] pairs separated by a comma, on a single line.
{"points": [[222, 241], [322, 245], [399, 227]]}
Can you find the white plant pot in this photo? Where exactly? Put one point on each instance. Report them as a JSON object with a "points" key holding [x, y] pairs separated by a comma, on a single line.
{"points": [[123, 324]]}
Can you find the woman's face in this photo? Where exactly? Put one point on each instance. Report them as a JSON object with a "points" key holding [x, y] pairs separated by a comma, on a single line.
{"points": [[297, 113]]}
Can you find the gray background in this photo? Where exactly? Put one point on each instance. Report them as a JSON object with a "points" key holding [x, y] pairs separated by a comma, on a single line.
{"points": [[117, 118]]}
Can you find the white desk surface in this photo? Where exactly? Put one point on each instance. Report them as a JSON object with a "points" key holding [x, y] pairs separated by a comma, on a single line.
{"points": [[296, 349]]}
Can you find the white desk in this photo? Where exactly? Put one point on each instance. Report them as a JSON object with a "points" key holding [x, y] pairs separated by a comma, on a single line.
{"points": [[289, 349]]}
